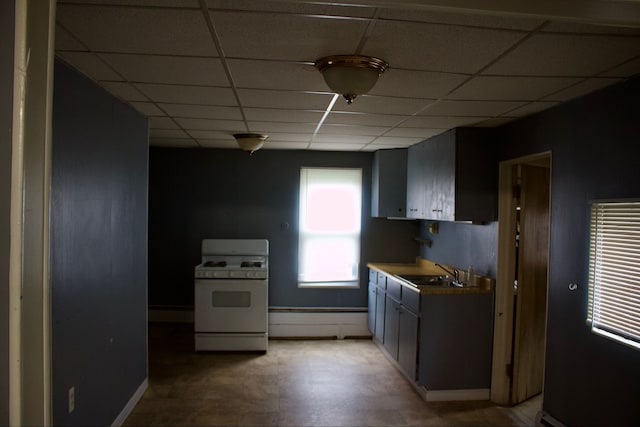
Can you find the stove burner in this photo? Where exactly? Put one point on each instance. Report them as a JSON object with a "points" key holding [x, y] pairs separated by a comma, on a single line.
{"points": [[245, 264], [215, 264]]}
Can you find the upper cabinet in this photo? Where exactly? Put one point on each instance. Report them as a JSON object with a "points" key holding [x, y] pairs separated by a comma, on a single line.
{"points": [[389, 183], [453, 177], [416, 180]]}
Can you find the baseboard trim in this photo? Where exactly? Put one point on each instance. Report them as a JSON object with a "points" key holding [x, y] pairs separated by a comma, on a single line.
{"points": [[131, 404]]}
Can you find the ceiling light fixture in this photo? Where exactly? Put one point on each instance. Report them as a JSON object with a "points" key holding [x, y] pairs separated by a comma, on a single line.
{"points": [[250, 141], [351, 75]]}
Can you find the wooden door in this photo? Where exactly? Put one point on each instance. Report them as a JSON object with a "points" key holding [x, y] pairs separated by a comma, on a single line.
{"points": [[531, 293]]}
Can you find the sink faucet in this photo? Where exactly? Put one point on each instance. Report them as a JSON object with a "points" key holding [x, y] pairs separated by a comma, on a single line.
{"points": [[456, 276]]}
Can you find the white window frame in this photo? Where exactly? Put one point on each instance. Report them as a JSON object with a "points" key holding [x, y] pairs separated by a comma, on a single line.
{"points": [[341, 178], [613, 307]]}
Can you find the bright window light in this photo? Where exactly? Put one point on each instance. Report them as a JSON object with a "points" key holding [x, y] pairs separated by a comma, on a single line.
{"points": [[330, 215], [614, 271]]}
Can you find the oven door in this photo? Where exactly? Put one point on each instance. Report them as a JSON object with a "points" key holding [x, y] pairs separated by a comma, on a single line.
{"points": [[230, 306]]}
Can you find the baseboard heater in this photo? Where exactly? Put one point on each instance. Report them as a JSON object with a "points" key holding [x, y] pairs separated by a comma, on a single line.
{"points": [[318, 322]]}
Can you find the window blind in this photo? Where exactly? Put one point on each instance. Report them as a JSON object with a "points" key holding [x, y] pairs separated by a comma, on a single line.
{"points": [[614, 271]]}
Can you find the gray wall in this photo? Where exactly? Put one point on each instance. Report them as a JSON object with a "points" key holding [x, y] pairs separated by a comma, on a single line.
{"points": [[99, 250], [212, 193], [595, 148], [7, 9], [462, 245], [595, 154]]}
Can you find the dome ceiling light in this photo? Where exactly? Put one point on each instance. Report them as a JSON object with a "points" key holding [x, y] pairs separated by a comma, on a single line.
{"points": [[250, 141], [351, 75]]}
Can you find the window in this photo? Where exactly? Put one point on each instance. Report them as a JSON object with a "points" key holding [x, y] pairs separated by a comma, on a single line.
{"points": [[330, 215], [614, 271]]}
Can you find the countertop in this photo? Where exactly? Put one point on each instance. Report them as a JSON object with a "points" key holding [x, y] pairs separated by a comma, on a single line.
{"points": [[426, 267]]}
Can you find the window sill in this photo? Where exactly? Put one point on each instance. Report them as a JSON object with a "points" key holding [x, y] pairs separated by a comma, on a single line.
{"points": [[330, 285]]}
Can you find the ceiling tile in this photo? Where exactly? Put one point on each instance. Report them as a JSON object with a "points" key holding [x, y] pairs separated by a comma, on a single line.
{"points": [[420, 133], [207, 124], [147, 108], [466, 19], [180, 94], [511, 88], [352, 139], [276, 115], [294, 76], [90, 65], [138, 30], [268, 127], [162, 123], [363, 119], [382, 105], [285, 145], [531, 108], [162, 3], [469, 108], [65, 41], [290, 137], [628, 69], [284, 99], [440, 47], [285, 37], [584, 87], [416, 84], [566, 55], [202, 111], [168, 133], [173, 142], [440, 122], [168, 69], [293, 7], [353, 129], [580, 27], [336, 147], [397, 141], [124, 91]]}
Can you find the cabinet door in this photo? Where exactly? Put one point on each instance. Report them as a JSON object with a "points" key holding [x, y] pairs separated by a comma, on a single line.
{"points": [[371, 314], [408, 342], [440, 157], [391, 326], [380, 311], [446, 179], [415, 181], [389, 183]]}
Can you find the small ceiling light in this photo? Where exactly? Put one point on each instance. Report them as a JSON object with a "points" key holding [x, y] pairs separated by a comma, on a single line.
{"points": [[351, 75], [250, 141]]}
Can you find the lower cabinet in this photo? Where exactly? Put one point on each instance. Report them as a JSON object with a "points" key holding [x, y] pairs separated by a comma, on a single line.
{"points": [[376, 314], [380, 308], [408, 342], [391, 326], [401, 335], [371, 310], [440, 341]]}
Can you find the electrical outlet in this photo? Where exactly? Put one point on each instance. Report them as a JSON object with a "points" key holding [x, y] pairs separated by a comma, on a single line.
{"points": [[72, 399]]}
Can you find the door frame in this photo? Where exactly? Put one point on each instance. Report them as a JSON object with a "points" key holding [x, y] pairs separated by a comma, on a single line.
{"points": [[503, 313]]}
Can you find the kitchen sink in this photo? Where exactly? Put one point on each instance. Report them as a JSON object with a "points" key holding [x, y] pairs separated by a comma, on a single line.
{"points": [[431, 280]]}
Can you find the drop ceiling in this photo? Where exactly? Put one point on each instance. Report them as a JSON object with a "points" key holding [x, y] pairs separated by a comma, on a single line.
{"points": [[202, 70]]}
